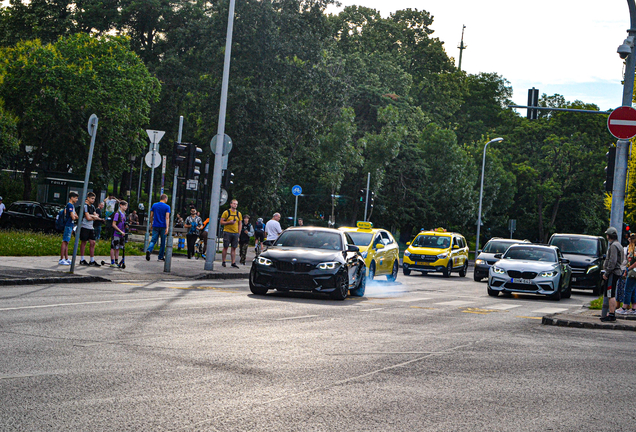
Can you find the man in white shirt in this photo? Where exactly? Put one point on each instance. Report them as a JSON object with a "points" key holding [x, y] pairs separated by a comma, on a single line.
{"points": [[272, 228], [2, 207]]}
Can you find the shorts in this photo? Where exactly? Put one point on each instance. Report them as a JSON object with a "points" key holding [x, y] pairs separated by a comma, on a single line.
{"points": [[230, 239], [259, 235], [87, 234], [612, 283], [117, 243], [68, 232]]}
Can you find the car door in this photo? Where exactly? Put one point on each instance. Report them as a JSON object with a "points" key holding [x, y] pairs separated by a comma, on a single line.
{"points": [[379, 254], [39, 221], [456, 252], [566, 271], [391, 251]]}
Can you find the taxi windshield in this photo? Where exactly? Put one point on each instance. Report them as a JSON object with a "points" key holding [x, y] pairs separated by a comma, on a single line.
{"points": [[361, 238], [431, 241]]}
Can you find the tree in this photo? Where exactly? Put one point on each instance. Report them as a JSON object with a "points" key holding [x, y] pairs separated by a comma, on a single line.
{"points": [[52, 90]]}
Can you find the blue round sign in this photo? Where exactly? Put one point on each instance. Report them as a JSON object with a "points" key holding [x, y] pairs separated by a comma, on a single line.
{"points": [[297, 190]]}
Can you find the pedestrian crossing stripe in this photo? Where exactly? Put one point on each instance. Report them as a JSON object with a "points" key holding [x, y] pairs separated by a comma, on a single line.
{"points": [[481, 311]]}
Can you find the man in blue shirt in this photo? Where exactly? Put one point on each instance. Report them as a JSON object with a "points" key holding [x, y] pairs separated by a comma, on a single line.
{"points": [[69, 216], [160, 220]]}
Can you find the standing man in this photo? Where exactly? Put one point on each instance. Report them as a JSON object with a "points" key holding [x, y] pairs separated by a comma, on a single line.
{"points": [[272, 228], [612, 267], [160, 220], [99, 221], [87, 231], [69, 216], [2, 207], [300, 222], [244, 238], [231, 223], [194, 225]]}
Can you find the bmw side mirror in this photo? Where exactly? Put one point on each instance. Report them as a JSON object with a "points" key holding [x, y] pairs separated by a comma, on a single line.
{"points": [[498, 256], [352, 248]]}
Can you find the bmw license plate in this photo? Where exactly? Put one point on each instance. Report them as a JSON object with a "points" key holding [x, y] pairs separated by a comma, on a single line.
{"points": [[522, 281]]}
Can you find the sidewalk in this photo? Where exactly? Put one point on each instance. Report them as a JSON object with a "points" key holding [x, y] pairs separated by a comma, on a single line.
{"points": [[590, 319], [45, 269]]}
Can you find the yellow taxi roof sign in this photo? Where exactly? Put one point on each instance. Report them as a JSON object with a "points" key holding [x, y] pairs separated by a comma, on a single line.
{"points": [[364, 225]]}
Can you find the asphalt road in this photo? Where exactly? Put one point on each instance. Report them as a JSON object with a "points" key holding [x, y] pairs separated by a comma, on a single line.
{"points": [[425, 353]]}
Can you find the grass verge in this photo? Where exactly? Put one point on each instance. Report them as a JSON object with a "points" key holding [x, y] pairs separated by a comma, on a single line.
{"points": [[597, 304], [28, 243]]}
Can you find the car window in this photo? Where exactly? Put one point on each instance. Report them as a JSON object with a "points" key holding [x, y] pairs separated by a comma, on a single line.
{"points": [[360, 238], [310, 239], [24, 208], [38, 211], [462, 242], [350, 240], [385, 238], [431, 241]]}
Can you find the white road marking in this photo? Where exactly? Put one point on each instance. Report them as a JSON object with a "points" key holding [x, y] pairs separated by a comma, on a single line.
{"points": [[411, 299], [456, 303], [369, 310], [550, 310], [298, 317], [502, 306], [82, 303]]}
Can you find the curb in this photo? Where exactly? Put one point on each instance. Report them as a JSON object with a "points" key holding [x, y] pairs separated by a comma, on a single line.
{"points": [[53, 279], [553, 320], [223, 276]]}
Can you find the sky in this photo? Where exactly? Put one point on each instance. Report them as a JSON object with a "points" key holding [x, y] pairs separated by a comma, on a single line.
{"points": [[559, 46]]}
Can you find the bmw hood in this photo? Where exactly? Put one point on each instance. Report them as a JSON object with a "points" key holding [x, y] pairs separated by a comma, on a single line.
{"points": [[521, 265], [314, 256]]}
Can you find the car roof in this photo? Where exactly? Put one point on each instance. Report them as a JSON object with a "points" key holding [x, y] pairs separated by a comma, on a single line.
{"points": [[312, 228], [439, 233], [576, 235], [534, 246], [363, 230], [505, 240]]}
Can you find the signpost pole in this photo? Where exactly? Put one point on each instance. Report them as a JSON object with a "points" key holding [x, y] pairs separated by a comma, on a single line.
{"points": [[92, 130], [295, 210], [168, 262], [152, 180]]}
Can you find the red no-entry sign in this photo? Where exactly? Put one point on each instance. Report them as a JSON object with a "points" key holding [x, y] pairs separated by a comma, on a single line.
{"points": [[622, 122]]}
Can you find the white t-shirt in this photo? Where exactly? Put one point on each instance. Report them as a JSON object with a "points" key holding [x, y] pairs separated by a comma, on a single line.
{"points": [[2, 208], [273, 230]]}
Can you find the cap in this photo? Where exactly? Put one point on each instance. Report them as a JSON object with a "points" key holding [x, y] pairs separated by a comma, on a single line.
{"points": [[611, 231], [259, 220], [0, 198]]}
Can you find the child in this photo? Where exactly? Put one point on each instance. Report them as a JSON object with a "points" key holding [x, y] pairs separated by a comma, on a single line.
{"points": [[119, 227]]}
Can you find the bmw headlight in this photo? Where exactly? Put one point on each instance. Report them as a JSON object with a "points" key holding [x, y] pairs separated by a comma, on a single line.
{"points": [[407, 253], [442, 255], [264, 261], [591, 269], [364, 254], [328, 265], [498, 270], [480, 261], [549, 273]]}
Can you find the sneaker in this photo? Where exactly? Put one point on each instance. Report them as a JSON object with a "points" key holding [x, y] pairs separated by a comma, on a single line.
{"points": [[203, 255], [234, 265], [147, 255], [161, 259], [113, 265], [62, 262], [621, 311], [223, 264], [609, 318], [631, 312], [94, 264], [83, 262]]}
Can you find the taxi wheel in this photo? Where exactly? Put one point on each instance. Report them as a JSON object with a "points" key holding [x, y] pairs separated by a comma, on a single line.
{"points": [[406, 272], [371, 270], [393, 276], [447, 271], [464, 270]]}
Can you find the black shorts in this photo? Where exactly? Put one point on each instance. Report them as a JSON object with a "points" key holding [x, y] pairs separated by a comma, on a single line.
{"points": [[230, 240], [612, 283], [87, 234], [259, 235]]}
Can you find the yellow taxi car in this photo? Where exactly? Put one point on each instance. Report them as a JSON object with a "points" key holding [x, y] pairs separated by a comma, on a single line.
{"points": [[379, 249], [436, 251]]}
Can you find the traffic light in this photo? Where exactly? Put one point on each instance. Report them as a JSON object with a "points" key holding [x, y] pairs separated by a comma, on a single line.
{"points": [[228, 179], [609, 169], [362, 196], [194, 163], [371, 199], [533, 101], [625, 235], [180, 153]]}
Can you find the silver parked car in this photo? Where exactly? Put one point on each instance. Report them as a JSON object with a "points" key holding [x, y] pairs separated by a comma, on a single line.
{"points": [[531, 269]]}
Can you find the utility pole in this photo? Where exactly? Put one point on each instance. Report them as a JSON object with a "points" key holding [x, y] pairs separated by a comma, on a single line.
{"points": [[622, 146], [461, 47]]}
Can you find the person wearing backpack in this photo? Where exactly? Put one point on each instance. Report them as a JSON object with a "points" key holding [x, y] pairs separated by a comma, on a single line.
{"points": [[67, 217]]}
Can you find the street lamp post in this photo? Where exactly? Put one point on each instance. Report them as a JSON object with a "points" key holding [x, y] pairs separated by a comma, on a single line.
{"points": [[481, 192]]}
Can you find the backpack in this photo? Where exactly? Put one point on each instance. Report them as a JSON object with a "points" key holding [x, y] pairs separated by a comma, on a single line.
{"points": [[60, 220]]}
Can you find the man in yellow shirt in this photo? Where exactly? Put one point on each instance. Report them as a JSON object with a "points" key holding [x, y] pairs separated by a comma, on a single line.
{"points": [[231, 221]]}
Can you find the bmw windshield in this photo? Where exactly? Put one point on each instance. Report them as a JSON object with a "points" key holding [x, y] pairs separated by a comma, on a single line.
{"points": [[528, 253], [310, 239], [431, 241]]}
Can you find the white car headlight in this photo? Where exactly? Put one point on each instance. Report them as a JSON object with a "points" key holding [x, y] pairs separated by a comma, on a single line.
{"points": [[328, 265], [480, 261], [498, 270], [442, 255], [264, 261], [591, 269], [407, 253], [549, 273]]}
